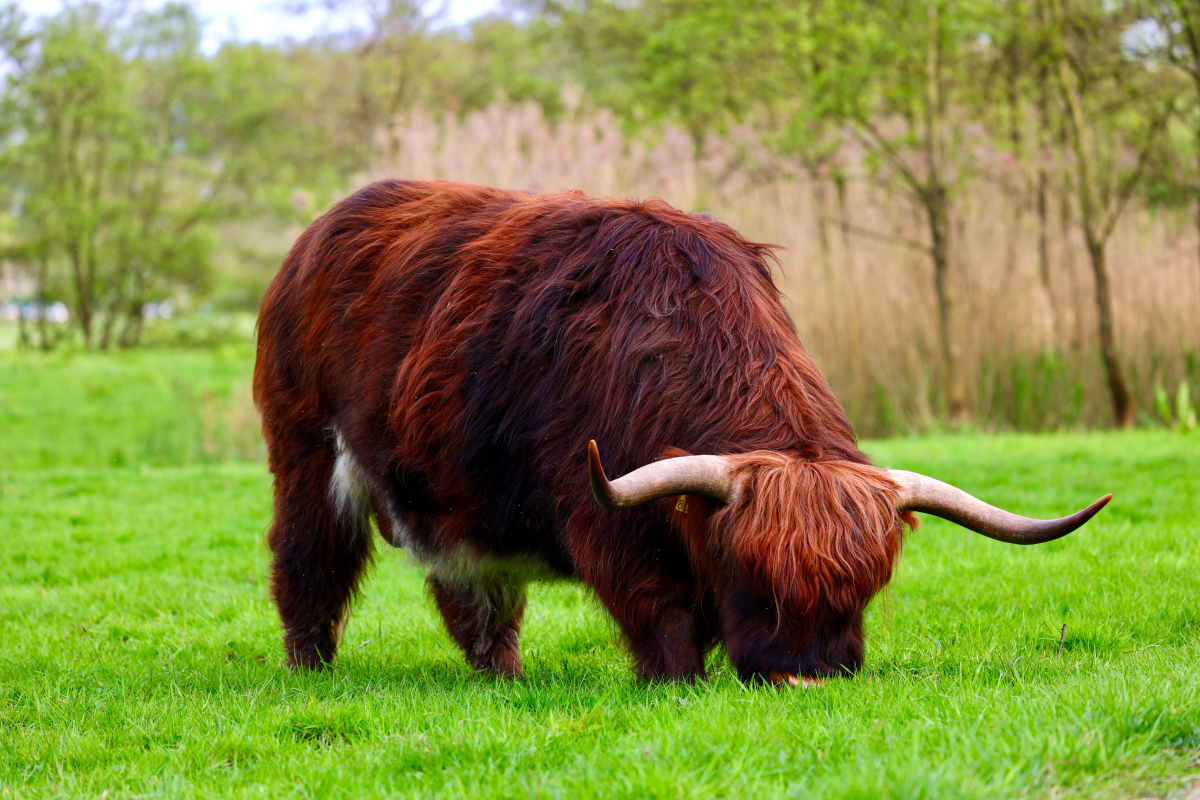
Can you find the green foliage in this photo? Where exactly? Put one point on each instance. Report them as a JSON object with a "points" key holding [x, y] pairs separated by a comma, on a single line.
{"points": [[110, 177], [1183, 415], [1161, 404], [1183, 408], [501, 57]]}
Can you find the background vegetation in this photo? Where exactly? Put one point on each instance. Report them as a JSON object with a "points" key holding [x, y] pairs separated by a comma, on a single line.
{"points": [[989, 207]]}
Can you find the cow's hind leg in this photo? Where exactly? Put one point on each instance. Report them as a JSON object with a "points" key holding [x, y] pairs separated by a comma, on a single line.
{"points": [[321, 541], [484, 618]]}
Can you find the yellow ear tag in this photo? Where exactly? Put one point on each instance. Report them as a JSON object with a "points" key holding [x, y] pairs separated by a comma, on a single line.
{"points": [[682, 505]]}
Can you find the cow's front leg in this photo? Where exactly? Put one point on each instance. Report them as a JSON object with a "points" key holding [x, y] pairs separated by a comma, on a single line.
{"points": [[667, 633], [668, 644], [484, 619], [661, 612]]}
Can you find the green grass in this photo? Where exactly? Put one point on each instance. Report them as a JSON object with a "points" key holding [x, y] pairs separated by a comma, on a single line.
{"points": [[142, 658], [140, 407]]}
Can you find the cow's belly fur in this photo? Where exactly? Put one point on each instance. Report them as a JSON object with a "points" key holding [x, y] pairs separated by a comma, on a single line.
{"points": [[464, 566]]}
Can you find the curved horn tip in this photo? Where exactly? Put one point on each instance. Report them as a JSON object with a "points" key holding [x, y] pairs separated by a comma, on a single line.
{"points": [[1073, 522], [1094, 508], [601, 488]]}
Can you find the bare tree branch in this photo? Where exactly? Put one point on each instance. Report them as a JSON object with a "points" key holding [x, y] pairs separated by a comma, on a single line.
{"points": [[881, 145], [1157, 125], [885, 238]]}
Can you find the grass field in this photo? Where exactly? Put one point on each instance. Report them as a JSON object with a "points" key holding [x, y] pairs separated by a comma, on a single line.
{"points": [[142, 658], [131, 408]]}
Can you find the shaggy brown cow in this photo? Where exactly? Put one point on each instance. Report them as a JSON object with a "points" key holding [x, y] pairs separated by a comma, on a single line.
{"points": [[438, 356]]}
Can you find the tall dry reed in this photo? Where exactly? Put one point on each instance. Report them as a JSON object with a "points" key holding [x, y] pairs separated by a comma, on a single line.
{"points": [[853, 269]]}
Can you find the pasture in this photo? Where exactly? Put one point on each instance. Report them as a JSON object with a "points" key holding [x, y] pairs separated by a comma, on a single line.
{"points": [[141, 656]]}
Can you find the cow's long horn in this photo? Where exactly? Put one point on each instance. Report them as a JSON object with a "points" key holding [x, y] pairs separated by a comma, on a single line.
{"points": [[710, 476], [921, 493]]}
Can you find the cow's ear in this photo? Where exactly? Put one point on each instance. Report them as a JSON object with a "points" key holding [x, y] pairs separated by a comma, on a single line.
{"points": [[689, 513], [689, 516]]}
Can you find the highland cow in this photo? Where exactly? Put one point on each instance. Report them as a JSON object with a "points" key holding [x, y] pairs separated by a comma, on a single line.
{"points": [[437, 357]]}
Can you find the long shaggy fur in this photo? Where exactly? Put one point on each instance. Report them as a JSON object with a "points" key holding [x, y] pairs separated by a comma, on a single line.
{"points": [[465, 343]]}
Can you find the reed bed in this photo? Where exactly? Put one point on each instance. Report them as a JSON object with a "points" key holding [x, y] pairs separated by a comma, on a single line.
{"points": [[851, 264]]}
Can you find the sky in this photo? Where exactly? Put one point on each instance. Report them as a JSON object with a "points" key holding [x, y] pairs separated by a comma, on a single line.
{"points": [[265, 21]]}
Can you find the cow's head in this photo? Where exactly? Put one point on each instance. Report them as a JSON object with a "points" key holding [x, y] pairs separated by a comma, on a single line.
{"points": [[813, 540]]}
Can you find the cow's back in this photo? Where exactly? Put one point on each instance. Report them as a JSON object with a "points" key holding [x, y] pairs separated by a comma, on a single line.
{"points": [[471, 340], [350, 285]]}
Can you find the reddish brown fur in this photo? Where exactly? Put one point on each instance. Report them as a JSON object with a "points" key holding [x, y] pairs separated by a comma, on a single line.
{"points": [[467, 342]]}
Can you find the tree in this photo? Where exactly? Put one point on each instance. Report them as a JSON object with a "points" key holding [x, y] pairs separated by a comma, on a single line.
{"points": [[1098, 80], [1019, 69], [1177, 36], [108, 163], [904, 61]]}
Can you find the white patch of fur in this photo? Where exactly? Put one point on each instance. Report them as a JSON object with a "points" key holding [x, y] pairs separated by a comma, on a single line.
{"points": [[464, 566], [347, 487], [499, 581], [400, 537]]}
